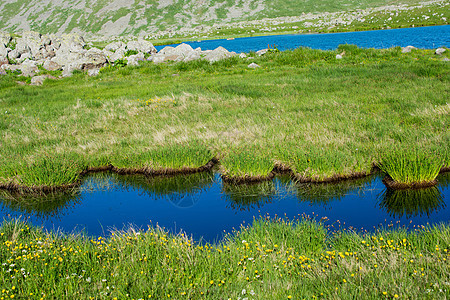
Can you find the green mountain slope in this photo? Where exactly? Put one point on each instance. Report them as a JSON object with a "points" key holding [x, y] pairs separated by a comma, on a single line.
{"points": [[157, 18]]}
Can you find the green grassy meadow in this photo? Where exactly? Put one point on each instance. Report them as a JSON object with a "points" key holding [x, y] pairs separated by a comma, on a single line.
{"points": [[304, 108], [272, 259]]}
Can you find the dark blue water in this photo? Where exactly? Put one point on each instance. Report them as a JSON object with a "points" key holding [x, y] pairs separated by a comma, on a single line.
{"points": [[202, 206], [420, 37]]}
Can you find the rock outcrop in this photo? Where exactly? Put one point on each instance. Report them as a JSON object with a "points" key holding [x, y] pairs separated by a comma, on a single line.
{"points": [[70, 52]]}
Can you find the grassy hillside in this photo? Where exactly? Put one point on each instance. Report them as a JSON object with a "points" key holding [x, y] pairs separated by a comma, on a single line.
{"points": [[201, 18]]}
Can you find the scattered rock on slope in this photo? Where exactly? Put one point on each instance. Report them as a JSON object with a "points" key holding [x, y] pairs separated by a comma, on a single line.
{"points": [[68, 53], [439, 51]]}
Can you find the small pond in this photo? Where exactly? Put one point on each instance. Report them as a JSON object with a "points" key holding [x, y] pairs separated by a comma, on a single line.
{"points": [[421, 37], [203, 206]]}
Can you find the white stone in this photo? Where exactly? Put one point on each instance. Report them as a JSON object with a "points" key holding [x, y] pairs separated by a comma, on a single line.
{"points": [[262, 52], [51, 65], [408, 49], [93, 72], [253, 66], [141, 46], [217, 54], [114, 46], [439, 51]]}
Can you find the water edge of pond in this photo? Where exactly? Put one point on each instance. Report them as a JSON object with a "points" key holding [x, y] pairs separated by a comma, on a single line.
{"points": [[206, 208]]}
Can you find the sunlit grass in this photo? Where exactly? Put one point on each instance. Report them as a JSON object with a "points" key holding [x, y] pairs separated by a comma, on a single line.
{"points": [[264, 261], [192, 155], [243, 162], [55, 170], [411, 166], [318, 115]]}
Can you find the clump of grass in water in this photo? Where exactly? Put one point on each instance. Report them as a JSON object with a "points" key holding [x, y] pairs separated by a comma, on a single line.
{"points": [[411, 168]]}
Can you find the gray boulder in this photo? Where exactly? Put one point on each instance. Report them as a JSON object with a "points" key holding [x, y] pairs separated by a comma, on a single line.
{"points": [[13, 54], [68, 43], [408, 49], [47, 52], [46, 40], [22, 47], [25, 56], [67, 70], [157, 59], [262, 52], [114, 46], [107, 53], [439, 51], [63, 58], [217, 54], [30, 42], [38, 80], [141, 46], [242, 55], [28, 68], [133, 60], [192, 56], [51, 65], [93, 72], [166, 50], [93, 58], [5, 38], [3, 61], [169, 53], [119, 54], [80, 59], [182, 52], [253, 66], [11, 68], [3, 50], [338, 56]]}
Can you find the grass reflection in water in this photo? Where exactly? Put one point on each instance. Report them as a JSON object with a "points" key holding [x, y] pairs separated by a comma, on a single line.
{"points": [[411, 203], [53, 205], [323, 193], [248, 196], [181, 190]]}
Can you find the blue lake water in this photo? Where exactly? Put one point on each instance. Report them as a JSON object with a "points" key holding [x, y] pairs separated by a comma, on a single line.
{"points": [[421, 37], [202, 206]]}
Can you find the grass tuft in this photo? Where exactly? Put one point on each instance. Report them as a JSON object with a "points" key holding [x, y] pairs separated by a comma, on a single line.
{"points": [[246, 163], [411, 166], [55, 170]]}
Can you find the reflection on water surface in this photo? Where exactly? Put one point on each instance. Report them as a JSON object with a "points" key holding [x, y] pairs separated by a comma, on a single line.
{"points": [[201, 205]]}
